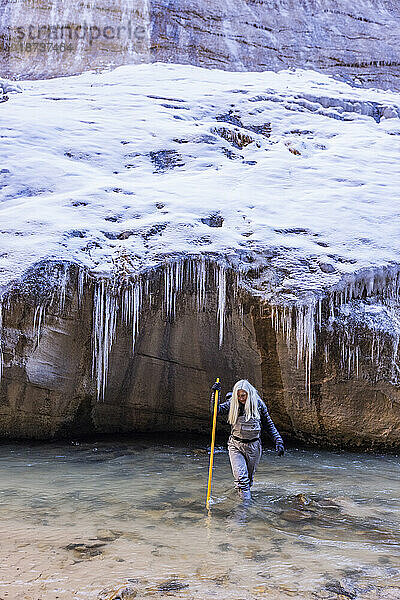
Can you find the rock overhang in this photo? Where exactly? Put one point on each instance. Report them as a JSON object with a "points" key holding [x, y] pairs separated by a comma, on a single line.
{"points": [[292, 166]]}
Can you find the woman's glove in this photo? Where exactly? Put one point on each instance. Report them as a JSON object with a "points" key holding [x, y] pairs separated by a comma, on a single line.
{"points": [[216, 386], [280, 449]]}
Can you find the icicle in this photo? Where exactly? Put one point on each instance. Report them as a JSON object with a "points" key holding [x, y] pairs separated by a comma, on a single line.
{"points": [[395, 367], [319, 313], [326, 353], [241, 313], [38, 319], [287, 324], [332, 308], [221, 286], [169, 291], [137, 305], [126, 304], [281, 317], [306, 340], [131, 307], [81, 285], [147, 293], [200, 283], [1, 339], [62, 286], [104, 327], [178, 276], [349, 359], [173, 281]]}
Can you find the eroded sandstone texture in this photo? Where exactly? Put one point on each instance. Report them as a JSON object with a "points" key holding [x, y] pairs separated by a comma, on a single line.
{"points": [[358, 40], [49, 389]]}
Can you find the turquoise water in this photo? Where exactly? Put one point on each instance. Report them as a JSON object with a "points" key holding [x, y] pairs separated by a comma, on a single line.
{"points": [[81, 519]]}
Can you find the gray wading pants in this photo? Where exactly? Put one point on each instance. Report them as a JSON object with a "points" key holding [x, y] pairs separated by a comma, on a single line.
{"points": [[244, 460]]}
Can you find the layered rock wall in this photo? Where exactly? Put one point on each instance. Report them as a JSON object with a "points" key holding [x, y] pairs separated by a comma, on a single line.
{"points": [[359, 41], [49, 387]]}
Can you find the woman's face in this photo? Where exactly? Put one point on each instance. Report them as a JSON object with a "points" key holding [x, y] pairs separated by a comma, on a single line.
{"points": [[242, 396]]}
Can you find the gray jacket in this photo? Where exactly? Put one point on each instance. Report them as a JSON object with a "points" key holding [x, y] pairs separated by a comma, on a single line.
{"points": [[266, 421]]}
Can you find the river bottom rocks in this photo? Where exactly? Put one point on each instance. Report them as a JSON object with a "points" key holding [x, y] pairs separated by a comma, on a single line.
{"points": [[99, 519], [180, 588]]}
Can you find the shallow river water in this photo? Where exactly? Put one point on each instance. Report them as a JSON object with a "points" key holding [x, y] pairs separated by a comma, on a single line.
{"points": [[78, 521]]}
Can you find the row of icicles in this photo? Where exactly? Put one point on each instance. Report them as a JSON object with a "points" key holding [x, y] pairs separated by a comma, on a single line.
{"points": [[116, 301], [111, 302]]}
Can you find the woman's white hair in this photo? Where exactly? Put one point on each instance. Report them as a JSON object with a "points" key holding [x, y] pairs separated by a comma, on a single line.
{"points": [[251, 405]]}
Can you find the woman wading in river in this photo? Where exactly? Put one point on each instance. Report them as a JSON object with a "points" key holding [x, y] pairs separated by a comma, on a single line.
{"points": [[247, 415]]}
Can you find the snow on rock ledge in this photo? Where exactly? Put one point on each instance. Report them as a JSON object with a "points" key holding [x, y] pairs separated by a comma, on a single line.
{"points": [[287, 181], [152, 160]]}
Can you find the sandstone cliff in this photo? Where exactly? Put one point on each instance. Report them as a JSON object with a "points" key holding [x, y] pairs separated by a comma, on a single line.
{"points": [[163, 225], [356, 40]]}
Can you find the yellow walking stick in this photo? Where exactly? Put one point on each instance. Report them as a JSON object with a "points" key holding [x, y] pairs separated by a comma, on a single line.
{"points": [[212, 446]]}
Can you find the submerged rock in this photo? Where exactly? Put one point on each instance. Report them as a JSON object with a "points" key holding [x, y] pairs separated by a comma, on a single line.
{"points": [[216, 574], [296, 516], [123, 592], [107, 535], [172, 585], [82, 550], [337, 588]]}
